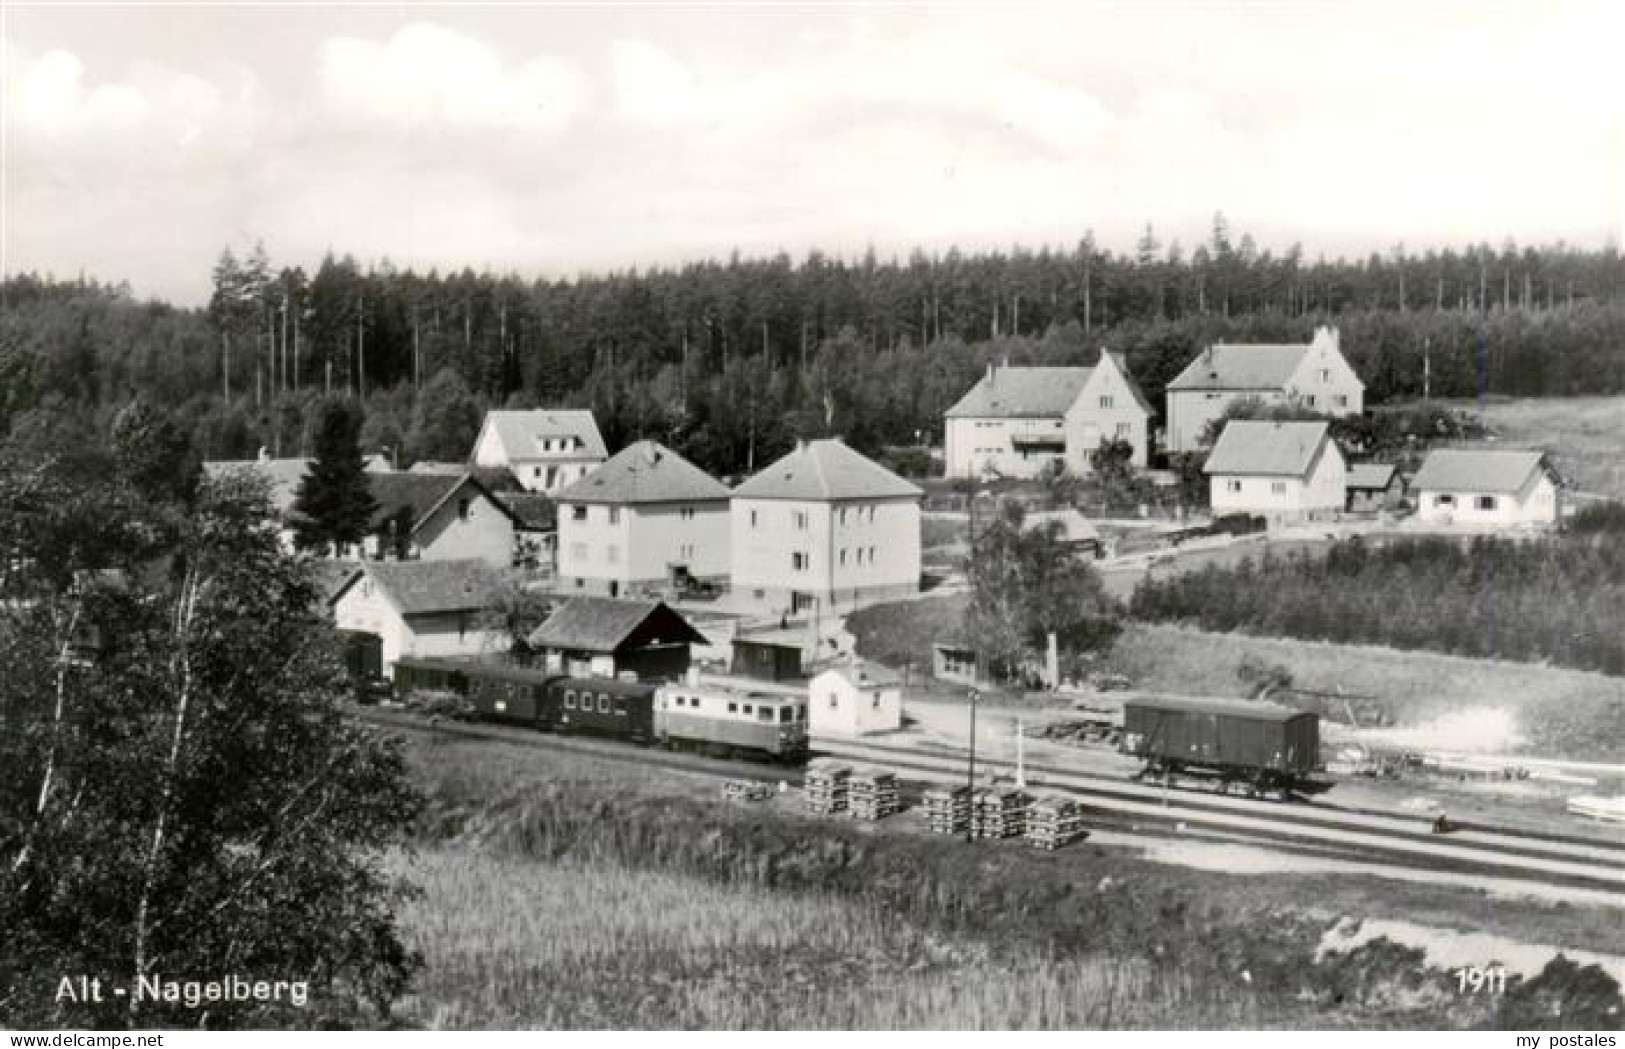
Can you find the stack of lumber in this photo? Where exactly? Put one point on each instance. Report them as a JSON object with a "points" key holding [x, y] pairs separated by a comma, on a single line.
{"points": [[947, 809], [1054, 821], [999, 813], [746, 790], [873, 795], [826, 788]]}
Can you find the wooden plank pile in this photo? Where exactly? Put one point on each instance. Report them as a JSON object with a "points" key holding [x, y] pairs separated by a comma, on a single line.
{"points": [[826, 788], [873, 795], [999, 813], [746, 790], [947, 809], [1054, 821]]}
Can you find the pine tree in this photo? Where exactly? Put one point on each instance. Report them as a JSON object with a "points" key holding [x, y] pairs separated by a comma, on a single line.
{"points": [[334, 504]]}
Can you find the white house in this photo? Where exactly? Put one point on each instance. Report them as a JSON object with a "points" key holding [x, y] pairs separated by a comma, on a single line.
{"points": [[421, 608], [1314, 375], [822, 529], [544, 448], [1283, 471], [1482, 487], [439, 517], [1016, 421], [854, 698], [646, 519]]}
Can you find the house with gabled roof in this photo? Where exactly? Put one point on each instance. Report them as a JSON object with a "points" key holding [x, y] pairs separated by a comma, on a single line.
{"points": [[439, 517], [421, 608], [1015, 422], [544, 448], [1374, 486], [1313, 375], [282, 476], [647, 519], [609, 637], [1282, 471], [822, 529], [1494, 487]]}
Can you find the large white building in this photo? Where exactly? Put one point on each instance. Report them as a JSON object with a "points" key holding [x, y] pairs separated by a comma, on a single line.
{"points": [[544, 448], [1506, 488], [824, 529], [1313, 375], [1016, 421], [1283, 471], [647, 518]]}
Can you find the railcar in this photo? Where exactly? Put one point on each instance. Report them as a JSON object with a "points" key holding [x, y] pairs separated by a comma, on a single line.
{"points": [[728, 718], [1257, 747]]}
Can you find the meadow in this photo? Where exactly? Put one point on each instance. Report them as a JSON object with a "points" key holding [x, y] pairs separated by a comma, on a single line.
{"points": [[1585, 435], [558, 890]]}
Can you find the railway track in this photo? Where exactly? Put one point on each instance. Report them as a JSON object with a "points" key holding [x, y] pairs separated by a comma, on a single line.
{"points": [[1405, 840], [1367, 836]]}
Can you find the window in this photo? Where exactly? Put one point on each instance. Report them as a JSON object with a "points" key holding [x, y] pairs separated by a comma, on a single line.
{"points": [[463, 507], [694, 702], [1325, 375], [871, 515], [1277, 487], [1105, 400], [580, 583], [603, 702], [569, 699], [1310, 400], [614, 515], [677, 701], [834, 701], [764, 714], [843, 515], [798, 561], [578, 513], [801, 520], [620, 705], [578, 551], [843, 557], [1123, 431], [753, 525], [686, 513], [612, 554], [1232, 486], [733, 708], [1444, 500], [536, 471], [1341, 400], [871, 555], [1485, 502], [748, 710], [553, 478], [787, 714]]}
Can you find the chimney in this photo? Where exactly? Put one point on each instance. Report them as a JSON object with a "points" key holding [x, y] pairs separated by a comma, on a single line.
{"points": [[801, 444], [265, 456], [991, 368]]}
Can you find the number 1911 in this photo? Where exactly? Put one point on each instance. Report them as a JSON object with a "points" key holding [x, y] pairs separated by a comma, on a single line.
{"points": [[1491, 979]]}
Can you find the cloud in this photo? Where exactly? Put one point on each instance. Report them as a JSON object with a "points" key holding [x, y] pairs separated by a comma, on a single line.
{"points": [[430, 74]]}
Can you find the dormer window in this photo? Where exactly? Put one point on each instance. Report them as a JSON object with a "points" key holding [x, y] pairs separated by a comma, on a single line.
{"points": [[1105, 400]]}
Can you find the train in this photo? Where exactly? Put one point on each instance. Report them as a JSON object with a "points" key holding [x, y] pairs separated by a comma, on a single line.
{"points": [[720, 718], [1260, 748]]}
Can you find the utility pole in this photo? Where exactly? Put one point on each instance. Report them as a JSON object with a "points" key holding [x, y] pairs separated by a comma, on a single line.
{"points": [[296, 349], [361, 346], [225, 364]]}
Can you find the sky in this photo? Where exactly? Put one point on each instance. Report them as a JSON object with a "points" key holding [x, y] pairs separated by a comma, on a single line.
{"points": [[140, 140]]}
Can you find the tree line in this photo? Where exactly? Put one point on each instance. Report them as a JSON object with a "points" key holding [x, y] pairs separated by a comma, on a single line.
{"points": [[1556, 599], [731, 361]]}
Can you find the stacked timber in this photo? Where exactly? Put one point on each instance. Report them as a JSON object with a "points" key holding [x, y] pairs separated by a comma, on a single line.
{"points": [[746, 790], [1054, 821], [999, 813], [826, 788], [947, 809], [873, 795]]}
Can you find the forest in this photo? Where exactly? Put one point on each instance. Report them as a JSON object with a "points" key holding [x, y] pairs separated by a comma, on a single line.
{"points": [[729, 362], [1556, 599]]}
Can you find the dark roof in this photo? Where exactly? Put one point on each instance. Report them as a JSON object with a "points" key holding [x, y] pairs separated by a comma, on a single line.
{"points": [[604, 624], [419, 587], [645, 472], [331, 576], [418, 495], [1477, 470], [825, 470], [1256, 446], [534, 511], [1376, 476], [1235, 708]]}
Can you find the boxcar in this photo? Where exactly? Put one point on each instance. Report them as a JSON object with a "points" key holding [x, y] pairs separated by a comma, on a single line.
{"points": [[726, 718], [601, 706], [1261, 746]]}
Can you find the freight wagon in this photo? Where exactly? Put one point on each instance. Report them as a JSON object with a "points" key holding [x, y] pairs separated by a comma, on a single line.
{"points": [[1260, 747]]}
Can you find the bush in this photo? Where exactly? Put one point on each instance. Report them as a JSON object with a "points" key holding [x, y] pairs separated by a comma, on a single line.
{"points": [[1605, 518]]}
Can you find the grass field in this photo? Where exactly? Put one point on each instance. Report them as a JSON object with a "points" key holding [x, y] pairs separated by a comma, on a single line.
{"points": [[564, 891], [1585, 435]]}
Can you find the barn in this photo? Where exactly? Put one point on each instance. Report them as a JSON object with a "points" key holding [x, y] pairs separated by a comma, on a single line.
{"points": [[609, 637]]}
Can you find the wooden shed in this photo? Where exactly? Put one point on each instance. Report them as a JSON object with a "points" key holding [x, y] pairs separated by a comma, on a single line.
{"points": [[609, 637]]}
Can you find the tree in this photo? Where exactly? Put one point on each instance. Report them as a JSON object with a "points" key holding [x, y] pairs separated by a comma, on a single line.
{"points": [[334, 504], [1112, 463], [154, 455], [1025, 585], [189, 797], [445, 420]]}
